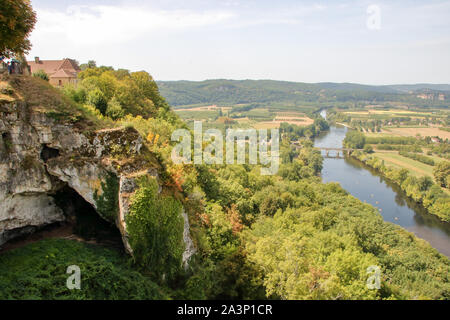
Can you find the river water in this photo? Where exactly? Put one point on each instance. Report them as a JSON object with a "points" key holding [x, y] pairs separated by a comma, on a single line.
{"points": [[369, 186]]}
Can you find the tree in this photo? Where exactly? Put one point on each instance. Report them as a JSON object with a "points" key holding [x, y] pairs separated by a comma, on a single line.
{"points": [[425, 183], [441, 173], [17, 20], [114, 109], [90, 65], [98, 100], [368, 148], [354, 139]]}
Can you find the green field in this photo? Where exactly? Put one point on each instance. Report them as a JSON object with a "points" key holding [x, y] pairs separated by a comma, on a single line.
{"points": [[415, 168]]}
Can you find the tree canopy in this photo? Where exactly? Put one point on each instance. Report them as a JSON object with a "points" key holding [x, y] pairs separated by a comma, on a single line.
{"points": [[17, 20]]}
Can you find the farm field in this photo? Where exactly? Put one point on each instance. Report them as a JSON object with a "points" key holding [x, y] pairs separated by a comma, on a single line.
{"points": [[258, 118], [415, 168], [399, 112], [412, 132]]}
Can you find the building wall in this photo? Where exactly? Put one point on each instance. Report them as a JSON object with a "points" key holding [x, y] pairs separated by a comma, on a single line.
{"points": [[62, 81]]}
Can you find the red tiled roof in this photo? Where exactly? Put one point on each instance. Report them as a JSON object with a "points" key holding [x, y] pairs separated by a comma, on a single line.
{"points": [[62, 73], [66, 68]]}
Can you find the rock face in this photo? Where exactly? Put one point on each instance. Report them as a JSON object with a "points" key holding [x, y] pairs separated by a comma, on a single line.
{"points": [[39, 156], [43, 152]]}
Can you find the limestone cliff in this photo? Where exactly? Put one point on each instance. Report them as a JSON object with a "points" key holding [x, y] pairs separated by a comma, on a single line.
{"points": [[44, 148]]}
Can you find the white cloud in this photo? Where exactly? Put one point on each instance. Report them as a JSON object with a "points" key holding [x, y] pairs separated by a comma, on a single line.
{"points": [[89, 25]]}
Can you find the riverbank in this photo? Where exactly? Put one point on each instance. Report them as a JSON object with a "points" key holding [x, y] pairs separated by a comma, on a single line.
{"points": [[422, 190], [371, 187]]}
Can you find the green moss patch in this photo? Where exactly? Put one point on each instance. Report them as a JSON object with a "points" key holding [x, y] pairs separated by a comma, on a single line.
{"points": [[108, 202]]}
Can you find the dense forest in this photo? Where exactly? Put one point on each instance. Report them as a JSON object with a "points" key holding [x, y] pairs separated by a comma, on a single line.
{"points": [[269, 92]]}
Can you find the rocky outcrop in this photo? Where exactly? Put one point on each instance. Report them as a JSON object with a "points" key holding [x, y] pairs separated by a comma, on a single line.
{"points": [[39, 155], [46, 150]]}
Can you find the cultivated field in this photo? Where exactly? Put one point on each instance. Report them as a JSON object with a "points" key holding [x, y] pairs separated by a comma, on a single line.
{"points": [[412, 132], [415, 168]]}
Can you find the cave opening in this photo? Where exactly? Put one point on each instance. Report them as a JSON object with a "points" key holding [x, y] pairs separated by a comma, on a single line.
{"points": [[48, 153], [7, 141], [85, 220]]}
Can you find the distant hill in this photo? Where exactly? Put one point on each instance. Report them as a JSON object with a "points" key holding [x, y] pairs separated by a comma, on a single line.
{"points": [[270, 92], [355, 86], [420, 86]]}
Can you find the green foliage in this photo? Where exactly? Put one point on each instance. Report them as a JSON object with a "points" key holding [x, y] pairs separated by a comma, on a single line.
{"points": [[75, 93], [97, 99], [17, 20], [114, 109], [418, 157], [354, 139], [107, 202], [405, 148], [155, 228], [117, 93], [442, 173], [38, 271], [41, 74], [391, 140], [282, 93], [89, 64], [321, 246], [368, 148]]}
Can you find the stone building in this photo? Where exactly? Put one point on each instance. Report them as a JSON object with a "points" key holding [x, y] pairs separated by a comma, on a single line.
{"points": [[60, 72]]}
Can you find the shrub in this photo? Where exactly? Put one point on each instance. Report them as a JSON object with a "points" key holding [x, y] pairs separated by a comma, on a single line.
{"points": [[41, 74], [98, 100], [155, 228], [38, 271], [114, 109], [108, 202], [418, 157]]}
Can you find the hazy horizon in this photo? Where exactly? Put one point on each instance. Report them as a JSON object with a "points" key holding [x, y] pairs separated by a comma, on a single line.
{"points": [[320, 82]]}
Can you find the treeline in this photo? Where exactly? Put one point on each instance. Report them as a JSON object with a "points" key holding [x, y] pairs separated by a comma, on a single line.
{"points": [[422, 190], [294, 132], [391, 140], [405, 148], [268, 92], [421, 158]]}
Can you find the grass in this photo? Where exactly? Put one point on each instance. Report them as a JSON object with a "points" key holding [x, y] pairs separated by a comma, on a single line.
{"points": [[38, 271], [40, 96], [417, 168], [197, 115]]}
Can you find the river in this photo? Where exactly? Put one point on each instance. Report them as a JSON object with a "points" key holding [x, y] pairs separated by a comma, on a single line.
{"points": [[369, 186]]}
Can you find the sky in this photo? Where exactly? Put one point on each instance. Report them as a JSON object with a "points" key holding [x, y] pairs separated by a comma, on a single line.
{"points": [[360, 41]]}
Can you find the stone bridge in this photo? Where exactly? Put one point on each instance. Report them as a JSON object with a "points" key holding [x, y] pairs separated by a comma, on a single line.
{"points": [[337, 152]]}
